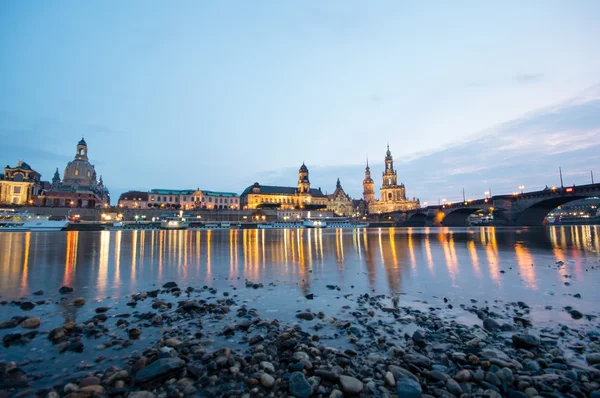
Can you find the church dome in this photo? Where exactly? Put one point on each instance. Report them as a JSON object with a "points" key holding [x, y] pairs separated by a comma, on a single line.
{"points": [[82, 142], [303, 168], [79, 172]]}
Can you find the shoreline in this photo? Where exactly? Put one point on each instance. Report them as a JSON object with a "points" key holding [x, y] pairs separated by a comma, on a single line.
{"points": [[198, 341]]}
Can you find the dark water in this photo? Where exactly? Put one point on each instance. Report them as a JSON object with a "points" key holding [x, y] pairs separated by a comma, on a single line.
{"points": [[424, 265]]}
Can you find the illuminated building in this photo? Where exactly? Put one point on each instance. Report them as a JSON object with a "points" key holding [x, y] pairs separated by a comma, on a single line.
{"points": [[339, 202], [79, 186], [134, 200], [192, 199], [258, 196], [392, 195], [18, 185]]}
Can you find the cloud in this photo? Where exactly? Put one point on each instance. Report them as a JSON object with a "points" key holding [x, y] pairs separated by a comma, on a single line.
{"points": [[528, 78], [524, 151]]}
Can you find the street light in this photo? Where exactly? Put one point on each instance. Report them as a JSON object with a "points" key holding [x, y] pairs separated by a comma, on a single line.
{"points": [[486, 193], [521, 187]]}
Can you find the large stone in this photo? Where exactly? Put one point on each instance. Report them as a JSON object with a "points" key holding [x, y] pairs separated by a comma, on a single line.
{"points": [[351, 385], [408, 388], [593, 358], [418, 360], [95, 389], [142, 394], [490, 325], [299, 386], [526, 341], [30, 323], [307, 316], [267, 380], [169, 285], [65, 290], [401, 373], [79, 301], [159, 369]]}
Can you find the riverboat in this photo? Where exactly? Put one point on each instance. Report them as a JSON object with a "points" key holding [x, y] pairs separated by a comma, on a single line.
{"points": [[280, 225], [173, 223], [314, 223], [345, 223], [30, 222]]}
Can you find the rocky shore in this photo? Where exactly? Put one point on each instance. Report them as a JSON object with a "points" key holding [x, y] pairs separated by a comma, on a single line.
{"points": [[208, 343]]}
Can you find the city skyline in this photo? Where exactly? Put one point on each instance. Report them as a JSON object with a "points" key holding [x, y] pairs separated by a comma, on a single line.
{"points": [[479, 98]]}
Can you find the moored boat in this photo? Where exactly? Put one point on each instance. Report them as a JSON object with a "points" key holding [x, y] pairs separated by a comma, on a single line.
{"points": [[314, 223], [30, 222], [173, 223]]}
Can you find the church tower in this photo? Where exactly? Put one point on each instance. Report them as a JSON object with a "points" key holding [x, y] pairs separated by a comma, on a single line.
{"points": [[303, 182], [389, 175], [56, 179], [390, 190], [368, 185], [81, 150]]}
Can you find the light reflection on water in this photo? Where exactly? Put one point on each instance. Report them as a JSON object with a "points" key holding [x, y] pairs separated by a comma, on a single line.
{"points": [[438, 261]]}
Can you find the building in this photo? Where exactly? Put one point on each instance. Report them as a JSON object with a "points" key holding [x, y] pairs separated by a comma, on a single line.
{"points": [[79, 186], [134, 200], [339, 202], [19, 185], [302, 214], [189, 199], [392, 195], [258, 196]]}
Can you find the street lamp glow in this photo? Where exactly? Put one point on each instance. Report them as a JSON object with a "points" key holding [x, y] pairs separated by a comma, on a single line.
{"points": [[521, 187]]}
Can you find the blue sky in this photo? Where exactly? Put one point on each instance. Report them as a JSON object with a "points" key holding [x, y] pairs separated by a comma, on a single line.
{"points": [[219, 95]]}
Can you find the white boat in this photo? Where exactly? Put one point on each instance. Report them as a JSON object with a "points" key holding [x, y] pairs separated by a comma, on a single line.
{"points": [[314, 224], [173, 223], [30, 222], [219, 225], [345, 223], [281, 225]]}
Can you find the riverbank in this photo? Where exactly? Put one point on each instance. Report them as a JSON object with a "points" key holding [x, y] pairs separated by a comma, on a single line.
{"points": [[179, 340]]}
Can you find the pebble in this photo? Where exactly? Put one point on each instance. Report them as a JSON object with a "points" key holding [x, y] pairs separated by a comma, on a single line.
{"points": [[31, 323], [351, 385], [267, 380], [307, 316], [299, 386], [408, 388], [526, 341]]}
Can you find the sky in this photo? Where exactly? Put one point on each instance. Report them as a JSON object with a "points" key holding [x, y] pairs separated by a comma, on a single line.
{"points": [[218, 95]]}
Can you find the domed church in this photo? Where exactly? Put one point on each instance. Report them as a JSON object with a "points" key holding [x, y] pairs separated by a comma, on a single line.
{"points": [[79, 186]]}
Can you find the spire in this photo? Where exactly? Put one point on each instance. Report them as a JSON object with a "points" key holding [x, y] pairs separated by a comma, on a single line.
{"points": [[338, 184]]}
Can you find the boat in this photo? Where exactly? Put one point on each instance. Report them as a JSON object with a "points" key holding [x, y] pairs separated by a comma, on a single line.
{"points": [[30, 222], [314, 223], [280, 225], [345, 223], [215, 225], [173, 223]]}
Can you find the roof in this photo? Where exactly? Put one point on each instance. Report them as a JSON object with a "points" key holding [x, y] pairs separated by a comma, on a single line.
{"points": [[216, 193], [279, 190], [134, 195], [82, 142], [172, 191]]}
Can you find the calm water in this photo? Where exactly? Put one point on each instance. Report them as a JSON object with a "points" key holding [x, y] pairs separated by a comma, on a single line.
{"points": [[455, 263]]}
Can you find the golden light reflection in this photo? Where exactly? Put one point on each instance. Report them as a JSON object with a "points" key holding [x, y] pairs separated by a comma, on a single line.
{"points": [[491, 251], [474, 259], [71, 257], [428, 252], [526, 266], [443, 239], [208, 254], [25, 274], [411, 250], [103, 263], [118, 237], [134, 239], [393, 247]]}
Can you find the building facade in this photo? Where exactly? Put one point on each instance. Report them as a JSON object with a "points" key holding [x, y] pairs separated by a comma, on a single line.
{"points": [[79, 186], [258, 196], [392, 195], [190, 199], [339, 202], [19, 185], [134, 200]]}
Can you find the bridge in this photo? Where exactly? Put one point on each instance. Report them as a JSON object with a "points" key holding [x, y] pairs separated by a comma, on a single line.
{"points": [[523, 209]]}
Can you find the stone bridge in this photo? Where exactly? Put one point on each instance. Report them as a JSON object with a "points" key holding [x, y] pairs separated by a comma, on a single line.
{"points": [[525, 209]]}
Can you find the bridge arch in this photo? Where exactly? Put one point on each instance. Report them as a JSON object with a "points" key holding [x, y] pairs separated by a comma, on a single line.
{"points": [[458, 217], [416, 220], [535, 214]]}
